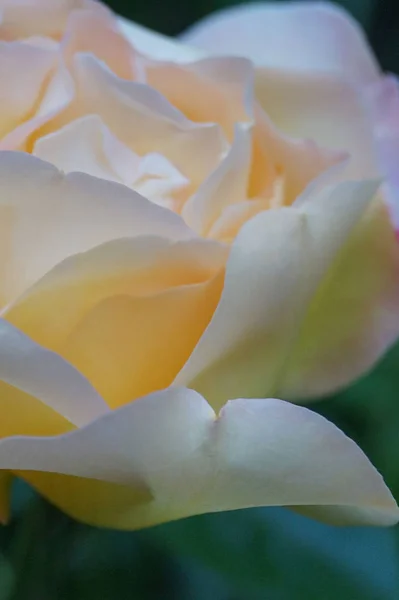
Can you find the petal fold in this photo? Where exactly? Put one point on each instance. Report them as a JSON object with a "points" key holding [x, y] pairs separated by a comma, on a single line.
{"points": [[256, 453], [302, 312]]}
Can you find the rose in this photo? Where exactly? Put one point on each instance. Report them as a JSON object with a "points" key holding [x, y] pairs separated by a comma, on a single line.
{"points": [[250, 269], [317, 78]]}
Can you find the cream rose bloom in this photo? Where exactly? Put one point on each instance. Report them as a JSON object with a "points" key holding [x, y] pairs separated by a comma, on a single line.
{"points": [[170, 256]]}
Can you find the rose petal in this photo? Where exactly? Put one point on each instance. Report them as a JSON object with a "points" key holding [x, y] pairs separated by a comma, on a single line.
{"points": [[58, 93], [225, 186], [40, 17], [300, 36], [213, 90], [20, 94], [45, 375], [222, 90], [383, 102], [44, 209], [82, 145], [260, 340], [87, 145], [156, 45], [142, 119], [326, 109], [257, 453], [97, 32], [114, 311]]}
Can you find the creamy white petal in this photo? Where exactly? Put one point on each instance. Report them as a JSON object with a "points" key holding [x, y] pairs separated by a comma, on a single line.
{"points": [[383, 101], [281, 267], [158, 46], [49, 216], [144, 120], [227, 184], [256, 453], [297, 36]]}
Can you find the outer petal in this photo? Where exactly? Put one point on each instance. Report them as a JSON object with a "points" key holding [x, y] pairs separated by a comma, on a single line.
{"points": [[42, 209], [40, 394], [157, 46], [324, 108], [330, 251], [258, 452], [312, 59], [300, 36], [383, 101]]}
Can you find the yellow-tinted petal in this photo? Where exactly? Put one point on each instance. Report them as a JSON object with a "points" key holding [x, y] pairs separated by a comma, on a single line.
{"points": [[128, 347], [41, 394], [280, 264], [127, 314], [353, 318]]}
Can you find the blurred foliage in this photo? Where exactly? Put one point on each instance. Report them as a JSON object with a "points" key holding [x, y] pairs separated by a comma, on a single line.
{"points": [[263, 554]]}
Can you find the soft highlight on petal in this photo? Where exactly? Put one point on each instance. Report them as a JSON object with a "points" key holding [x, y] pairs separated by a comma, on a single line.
{"points": [[256, 453], [280, 264], [297, 36], [42, 209]]}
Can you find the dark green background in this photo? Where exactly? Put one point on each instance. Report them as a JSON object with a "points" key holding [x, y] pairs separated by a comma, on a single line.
{"points": [[263, 554]]}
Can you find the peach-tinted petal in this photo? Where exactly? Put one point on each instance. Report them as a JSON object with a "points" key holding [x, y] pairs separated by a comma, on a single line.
{"points": [[23, 72], [142, 119], [298, 36], [97, 33], [311, 60], [225, 186], [328, 110], [221, 90], [257, 452], [214, 90], [24, 18], [296, 161], [129, 346], [87, 145], [56, 96], [142, 267], [233, 217], [282, 265], [38, 372], [44, 210]]}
